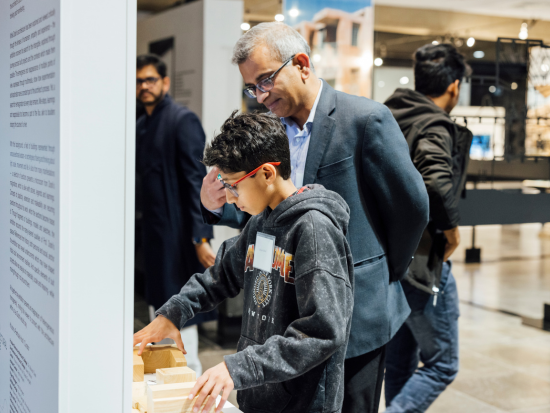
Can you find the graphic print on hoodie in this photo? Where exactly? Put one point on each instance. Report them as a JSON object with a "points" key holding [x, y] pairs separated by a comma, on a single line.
{"points": [[297, 318]]}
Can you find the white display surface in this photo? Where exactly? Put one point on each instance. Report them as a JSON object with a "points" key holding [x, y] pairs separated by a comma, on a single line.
{"points": [[29, 206], [67, 134]]}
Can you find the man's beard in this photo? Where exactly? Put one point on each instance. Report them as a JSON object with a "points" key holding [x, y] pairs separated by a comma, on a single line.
{"points": [[158, 98]]}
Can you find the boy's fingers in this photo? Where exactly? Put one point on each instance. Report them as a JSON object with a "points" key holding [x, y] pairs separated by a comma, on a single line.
{"points": [[144, 342], [212, 399], [179, 343], [225, 396], [205, 391], [198, 386]]}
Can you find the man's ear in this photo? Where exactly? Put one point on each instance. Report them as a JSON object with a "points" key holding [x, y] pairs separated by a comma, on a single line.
{"points": [[304, 64], [166, 84], [454, 88]]}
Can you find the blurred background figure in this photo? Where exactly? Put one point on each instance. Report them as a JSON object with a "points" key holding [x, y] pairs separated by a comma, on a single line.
{"points": [[173, 239], [440, 151]]}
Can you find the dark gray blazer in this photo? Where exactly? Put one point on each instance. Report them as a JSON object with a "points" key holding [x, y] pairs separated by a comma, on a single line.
{"points": [[357, 150]]}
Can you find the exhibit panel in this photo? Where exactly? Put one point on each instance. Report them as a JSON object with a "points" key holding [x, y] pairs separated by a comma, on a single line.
{"points": [[66, 213]]}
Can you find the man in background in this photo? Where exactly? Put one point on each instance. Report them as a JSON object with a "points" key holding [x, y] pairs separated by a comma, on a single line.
{"points": [[439, 149], [174, 239]]}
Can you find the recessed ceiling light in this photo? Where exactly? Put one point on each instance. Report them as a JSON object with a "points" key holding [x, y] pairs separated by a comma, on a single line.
{"points": [[492, 89], [378, 61], [404, 80], [279, 17], [479, 54], [245, 26], [470, 42], [514, 86], [293, 12], [435, 42]]}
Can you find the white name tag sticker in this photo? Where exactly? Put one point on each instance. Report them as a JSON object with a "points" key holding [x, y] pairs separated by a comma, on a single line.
{"points": [[263, 252]]}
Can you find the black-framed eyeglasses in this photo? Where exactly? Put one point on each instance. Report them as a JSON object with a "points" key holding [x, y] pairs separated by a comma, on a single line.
{"points": [[148, 81], [265, 85]]}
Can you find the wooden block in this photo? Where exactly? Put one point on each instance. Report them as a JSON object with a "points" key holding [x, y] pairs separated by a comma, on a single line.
{"points": [[175, 375], [177, 359], [140, 403], [162, 391], [139, 389], [160, 357], [139, 368], [177, 405]]}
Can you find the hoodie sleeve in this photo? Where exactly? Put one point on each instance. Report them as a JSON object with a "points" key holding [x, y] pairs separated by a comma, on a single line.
{"points": [[203, 292], [432, 156], [325, 301], [396, 186]]}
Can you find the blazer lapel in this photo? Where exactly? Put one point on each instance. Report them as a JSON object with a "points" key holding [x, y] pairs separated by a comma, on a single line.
{"points": [[321, 132]]}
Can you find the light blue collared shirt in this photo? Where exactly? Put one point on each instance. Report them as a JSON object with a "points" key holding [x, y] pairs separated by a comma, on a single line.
{"points": [[298, 140]]}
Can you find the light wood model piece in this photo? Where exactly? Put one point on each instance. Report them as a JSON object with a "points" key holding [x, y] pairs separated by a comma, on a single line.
{"points": [[175, 375], [174, 382]]}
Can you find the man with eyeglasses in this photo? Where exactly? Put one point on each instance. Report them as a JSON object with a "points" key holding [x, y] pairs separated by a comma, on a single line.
{"points": [[174, 238], [352, 146]]}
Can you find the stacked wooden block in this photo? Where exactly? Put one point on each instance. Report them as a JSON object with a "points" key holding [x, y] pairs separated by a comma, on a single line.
{"points": [[174, 382]]}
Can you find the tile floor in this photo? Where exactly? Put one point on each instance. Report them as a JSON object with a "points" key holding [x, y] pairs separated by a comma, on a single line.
{"points": [[505, 366]]}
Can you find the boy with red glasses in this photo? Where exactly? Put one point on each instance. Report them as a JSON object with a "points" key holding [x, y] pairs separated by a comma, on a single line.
{"points": [[294, 264]]}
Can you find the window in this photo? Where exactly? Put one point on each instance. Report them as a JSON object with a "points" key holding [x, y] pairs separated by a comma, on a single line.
{"points": [[355, 34]]}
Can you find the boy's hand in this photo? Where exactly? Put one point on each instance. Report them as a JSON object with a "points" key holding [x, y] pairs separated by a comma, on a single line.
{"points": [[158, 330], [212, 382], [212, 191]]}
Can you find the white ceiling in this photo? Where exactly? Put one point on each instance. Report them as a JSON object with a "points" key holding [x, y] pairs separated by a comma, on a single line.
{"points": [[526, 9]]}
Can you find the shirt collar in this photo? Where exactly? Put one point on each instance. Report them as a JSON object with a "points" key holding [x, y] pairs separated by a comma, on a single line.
{"points": [[289, 122]]}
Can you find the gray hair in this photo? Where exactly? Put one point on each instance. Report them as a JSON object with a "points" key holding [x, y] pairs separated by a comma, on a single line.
{"points": [[281, 40]]}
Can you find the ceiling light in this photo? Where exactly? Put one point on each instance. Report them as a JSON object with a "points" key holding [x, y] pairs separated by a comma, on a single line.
{"points": [[470, 42], [523, 34], [404, 80], [435, 42], [479, 54], [245, 26], [492, 89], [316, 58], [381, 83], [279, 17], [514, 86], [378, 61], [293, 12]]}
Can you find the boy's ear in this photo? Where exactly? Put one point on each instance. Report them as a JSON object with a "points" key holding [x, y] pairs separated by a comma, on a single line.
{"points": [[270, 173]]}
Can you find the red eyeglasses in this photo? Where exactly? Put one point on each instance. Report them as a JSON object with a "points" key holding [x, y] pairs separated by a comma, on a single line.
{"points": [[233, 187]]}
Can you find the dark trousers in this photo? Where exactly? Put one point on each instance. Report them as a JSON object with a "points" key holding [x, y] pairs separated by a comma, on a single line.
{"points": [[363, 377]]}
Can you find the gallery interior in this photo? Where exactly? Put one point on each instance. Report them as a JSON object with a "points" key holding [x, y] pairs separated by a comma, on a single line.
{"points": [[78, 280], [502, 266]]}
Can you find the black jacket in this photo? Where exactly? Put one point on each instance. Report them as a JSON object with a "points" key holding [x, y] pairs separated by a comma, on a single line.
{"points": [[357, 150], [297, 318], [439, 149], [170, 144]]}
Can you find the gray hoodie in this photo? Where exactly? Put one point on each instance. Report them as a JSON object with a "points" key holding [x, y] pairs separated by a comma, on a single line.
{"points": [[297, 318]]}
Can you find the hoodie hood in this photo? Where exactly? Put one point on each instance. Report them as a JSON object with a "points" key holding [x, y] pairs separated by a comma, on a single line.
{"points": [[317, 198], [414, 112]]}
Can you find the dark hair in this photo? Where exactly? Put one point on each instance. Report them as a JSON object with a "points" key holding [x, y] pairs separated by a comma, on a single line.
{"points": [[152, 59], [436, 67], [248, 140]]}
